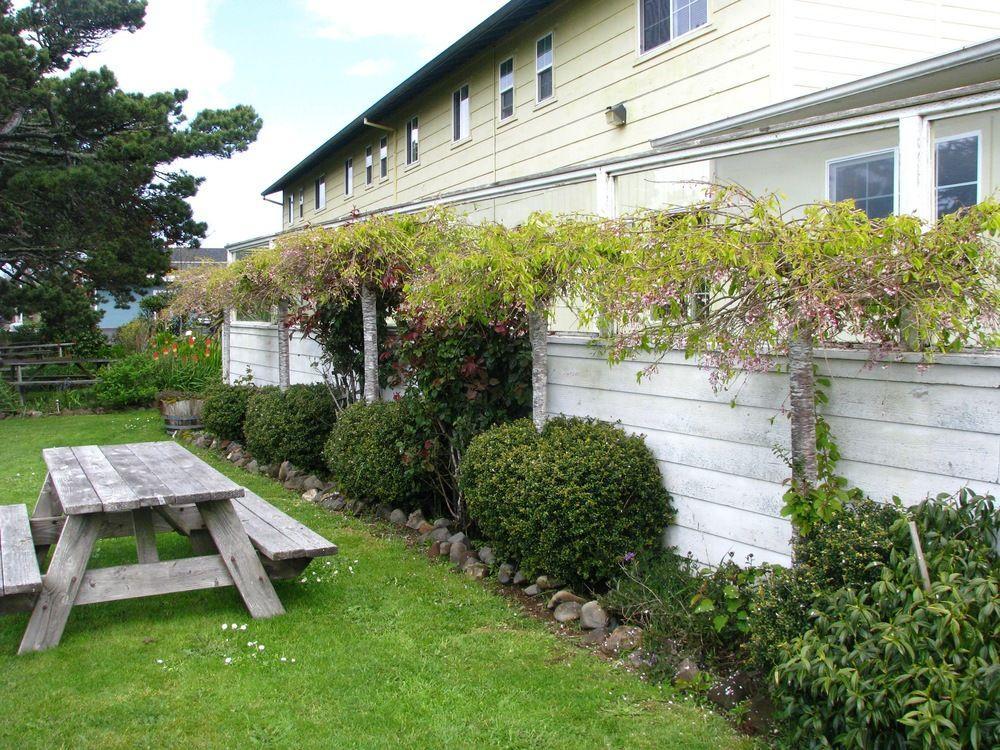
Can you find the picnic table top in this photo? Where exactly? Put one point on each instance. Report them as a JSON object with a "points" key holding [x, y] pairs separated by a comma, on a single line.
{"points": [[115, 478]]}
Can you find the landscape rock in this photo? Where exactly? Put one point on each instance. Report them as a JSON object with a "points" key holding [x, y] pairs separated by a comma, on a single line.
{"points": [[457, 553], [425, 528], [642, 659], [545, 583], [593, 616], [476, 570], [283, 470], [567, 612], [398, 517], [487, 556], [384, 512], [434, 550], [224, 444], [310, 495], [519, 578], [532, 590], [564, 596], [731, 690], [438, 534], [252, 466], [459, 538], [442, 523], [594, 637], [333, 501], [414, 520], [505, 574], [622, 638], [687, 672], [293, 483], [312, 482], [445, 548]]}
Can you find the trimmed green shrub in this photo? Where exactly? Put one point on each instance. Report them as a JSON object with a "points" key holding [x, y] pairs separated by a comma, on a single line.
{"points": [[849, 550], [9, 402], [888, 665], [292, 425], [225, 410], [127, 382], [569, 502], [365, 457]]}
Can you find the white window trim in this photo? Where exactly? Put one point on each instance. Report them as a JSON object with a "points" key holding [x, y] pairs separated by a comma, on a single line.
{"points": [[321, 192], [349, 177], [552, 66], [513, 87], [457, 90], [674, 41], [384, 177], [894, 150], [369, 164], [406, 135], [979, 163], [302, 202]]}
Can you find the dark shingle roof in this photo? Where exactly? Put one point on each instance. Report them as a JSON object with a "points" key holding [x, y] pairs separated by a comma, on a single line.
{"points": [[181, 257]]}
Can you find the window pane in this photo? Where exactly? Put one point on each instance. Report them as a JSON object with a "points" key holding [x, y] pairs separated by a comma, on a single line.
{"points": [[655, 23], [545, 84], [507, 104], [881, 177], [506, 75], [544, 52], [958, 161], [950, 200], [869, 180], [689, 15], [878, 208]]}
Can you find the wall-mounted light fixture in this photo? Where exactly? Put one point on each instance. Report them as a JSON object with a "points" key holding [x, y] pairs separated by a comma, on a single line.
{"points": [[617, 115]]}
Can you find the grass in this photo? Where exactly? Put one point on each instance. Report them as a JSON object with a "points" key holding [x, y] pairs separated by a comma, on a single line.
{"points": [[389, 651]]}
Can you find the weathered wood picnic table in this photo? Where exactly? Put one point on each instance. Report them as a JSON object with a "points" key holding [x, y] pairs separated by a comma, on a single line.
{"points": [[139, 490]]}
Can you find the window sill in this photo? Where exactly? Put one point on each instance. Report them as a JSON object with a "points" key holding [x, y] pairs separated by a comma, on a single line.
{"points": [[412, 166], [674, 44], [548, 102], [508, 121], [456, 145]]}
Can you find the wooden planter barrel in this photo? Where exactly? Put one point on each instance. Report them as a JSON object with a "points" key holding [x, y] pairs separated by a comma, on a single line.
{"points": [[182, 414]]}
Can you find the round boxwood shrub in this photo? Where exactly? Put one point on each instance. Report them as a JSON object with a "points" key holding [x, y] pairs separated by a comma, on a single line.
{"points": [[569, 502], [292, 425], [225, 410], [364, 453]]}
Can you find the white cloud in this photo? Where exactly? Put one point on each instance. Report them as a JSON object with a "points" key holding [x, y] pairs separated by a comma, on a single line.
{"points": [[370, 67], [436, 23]]}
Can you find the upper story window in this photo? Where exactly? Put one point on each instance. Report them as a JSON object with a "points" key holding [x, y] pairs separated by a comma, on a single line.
{"points": [[870, 181], [663, 20], [543, 68], [320, 193], [383, 157], [349, 177], [291, 207], [507, 89], [302, 202], [957, 173], [460, 114], [369, 166], [413, 141]]}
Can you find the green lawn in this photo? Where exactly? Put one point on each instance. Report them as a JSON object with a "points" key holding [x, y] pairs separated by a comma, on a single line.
{"points": [[380, 647]]}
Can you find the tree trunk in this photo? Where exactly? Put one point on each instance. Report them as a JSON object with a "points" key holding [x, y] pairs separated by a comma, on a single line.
{"points": [[538, 333], [284, 374], [802, 390], [369, 318], [225, 336]]}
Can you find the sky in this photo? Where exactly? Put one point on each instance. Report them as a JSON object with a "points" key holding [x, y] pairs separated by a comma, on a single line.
{"points": [[307, 66]]}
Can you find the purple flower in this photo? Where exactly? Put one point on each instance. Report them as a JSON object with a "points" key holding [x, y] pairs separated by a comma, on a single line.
{"points": [[629, 557]]}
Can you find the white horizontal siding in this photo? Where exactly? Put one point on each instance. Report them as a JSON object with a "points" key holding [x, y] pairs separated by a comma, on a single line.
{"points": [[901, 432], [254, 350]]}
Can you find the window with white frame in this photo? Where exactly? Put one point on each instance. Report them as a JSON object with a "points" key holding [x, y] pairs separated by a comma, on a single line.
{"points": [[869, 180], [302, 202], [383, 157], [460, 114], [349, 177], [663, 20], [507, 89], [413, 141], [320, 193], [544, 73], [291, 208], [369, 165], [956, 173]]}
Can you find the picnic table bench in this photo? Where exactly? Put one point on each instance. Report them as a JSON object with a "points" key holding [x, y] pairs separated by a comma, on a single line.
{"points": [[140, 490]]}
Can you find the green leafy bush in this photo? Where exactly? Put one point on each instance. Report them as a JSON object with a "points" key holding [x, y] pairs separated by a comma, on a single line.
{"points": [[127, 382], [292, 425], [365, 456], [9, 402], [888, 665], [225, 410], [848, 550], [569, 502]]}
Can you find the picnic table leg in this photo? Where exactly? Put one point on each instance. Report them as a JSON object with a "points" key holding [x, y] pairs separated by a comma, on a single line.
{"points": [[45, 507], [241, 559], [145, 535], [61, 583]]}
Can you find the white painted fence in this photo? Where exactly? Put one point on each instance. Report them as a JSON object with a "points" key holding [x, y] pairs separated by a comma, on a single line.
{"points": [[900, 431]]}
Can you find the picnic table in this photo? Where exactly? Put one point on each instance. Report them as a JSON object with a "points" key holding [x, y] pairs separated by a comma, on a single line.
{"points": [[139, 490]]}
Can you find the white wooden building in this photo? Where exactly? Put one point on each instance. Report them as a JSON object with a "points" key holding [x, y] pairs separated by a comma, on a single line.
{"points": [[880, 103]]}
